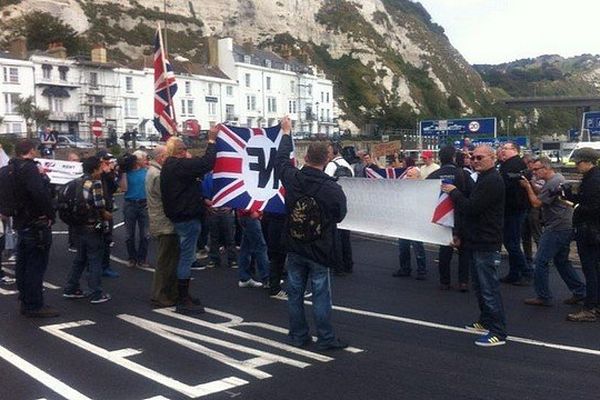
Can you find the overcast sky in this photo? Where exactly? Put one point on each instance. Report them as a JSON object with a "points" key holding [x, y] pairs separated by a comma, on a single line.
{"points": [[497, 31]]}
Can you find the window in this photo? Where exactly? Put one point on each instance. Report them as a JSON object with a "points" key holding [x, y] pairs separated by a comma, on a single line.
{"points": [[268, 63], [97, 111], [268, 83], [271, 104], [327, 97], [229, 112], [10, 101], [130, 108], [62, 73], [47, 73], [11, 75], [251, 102], [292, 107], [187, 107], [310, 90], [129, 84], [14, 127], [188, 87], [94, 79], [56, 104], [247, 59], [286, 67], [328, 115], [250, 122], [322, 97], [247, 80], [229, 90], [212, 108], [210, 89], [293, 86]]}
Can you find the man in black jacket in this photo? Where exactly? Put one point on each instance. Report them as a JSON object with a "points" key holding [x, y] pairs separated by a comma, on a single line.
{"points": [[450, 173], [483, 219], [586, 221], [315, 203], [183, 204], [32, 222], [515, 213]]}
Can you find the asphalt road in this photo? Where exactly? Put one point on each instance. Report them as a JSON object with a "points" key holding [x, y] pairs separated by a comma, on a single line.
{"points": [[407, 340]]}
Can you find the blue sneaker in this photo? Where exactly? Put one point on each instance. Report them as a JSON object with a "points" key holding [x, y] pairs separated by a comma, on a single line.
{"points": [[110, 273], [490, 341]]}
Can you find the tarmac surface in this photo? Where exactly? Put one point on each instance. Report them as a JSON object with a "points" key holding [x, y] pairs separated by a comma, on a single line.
{"points": [[407, 338]]}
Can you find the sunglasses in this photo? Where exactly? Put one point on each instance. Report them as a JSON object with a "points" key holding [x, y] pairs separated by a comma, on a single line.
{"points": [[477, 158], [537, 169]]}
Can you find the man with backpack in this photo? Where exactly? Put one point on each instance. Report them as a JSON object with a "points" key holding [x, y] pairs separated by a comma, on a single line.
{"points": [[315, 204], [338, 167], [89, 217], [25, 197]]}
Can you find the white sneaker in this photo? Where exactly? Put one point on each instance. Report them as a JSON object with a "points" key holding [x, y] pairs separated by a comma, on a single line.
{"points": [[251, 283], [280, 295], [7, 280], [12, 258]]}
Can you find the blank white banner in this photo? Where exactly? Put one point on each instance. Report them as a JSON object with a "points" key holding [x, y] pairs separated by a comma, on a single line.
{"points": [[395, 208]]}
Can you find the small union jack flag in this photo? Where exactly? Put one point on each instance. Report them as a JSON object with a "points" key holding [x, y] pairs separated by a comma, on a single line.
{"points": [[243, 175], [386, 173], [164, 90]]}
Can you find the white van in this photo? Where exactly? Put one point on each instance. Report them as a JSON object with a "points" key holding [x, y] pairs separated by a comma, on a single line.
{"points": [[580, 145]]}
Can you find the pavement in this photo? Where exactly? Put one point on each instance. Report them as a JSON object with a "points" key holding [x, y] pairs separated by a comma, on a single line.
{"points": [[407, 341]]}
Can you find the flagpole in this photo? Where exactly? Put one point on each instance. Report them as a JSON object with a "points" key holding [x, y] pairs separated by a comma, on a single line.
{"points": [[166, 78]]}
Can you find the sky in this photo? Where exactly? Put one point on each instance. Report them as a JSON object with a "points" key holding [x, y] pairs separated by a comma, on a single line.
{"points": [[498, 31]]}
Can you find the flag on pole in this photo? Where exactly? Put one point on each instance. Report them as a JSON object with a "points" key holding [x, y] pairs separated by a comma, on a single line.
{"points": [[164, 90]]}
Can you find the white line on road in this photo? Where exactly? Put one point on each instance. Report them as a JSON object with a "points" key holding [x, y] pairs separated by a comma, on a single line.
{"points": [[44, 378], [47, 285], [121, 261], [120, 224]]}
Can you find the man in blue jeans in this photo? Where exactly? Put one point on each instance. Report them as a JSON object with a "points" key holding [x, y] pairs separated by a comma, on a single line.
{"points": [[253, 244], [183, 205], [315, 203], [133, 184], [483, 213], [556, 238]]}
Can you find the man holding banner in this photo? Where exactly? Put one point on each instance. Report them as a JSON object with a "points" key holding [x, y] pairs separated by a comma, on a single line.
{"points": [[315, 204]]}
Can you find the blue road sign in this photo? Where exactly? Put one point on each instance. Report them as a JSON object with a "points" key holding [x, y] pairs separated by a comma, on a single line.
{"points": [[500, 140], [573, 134], [591, 122], [462, 127]]}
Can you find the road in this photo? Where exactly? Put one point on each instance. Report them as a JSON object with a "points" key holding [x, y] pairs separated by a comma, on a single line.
{"points": [[406, 336]]}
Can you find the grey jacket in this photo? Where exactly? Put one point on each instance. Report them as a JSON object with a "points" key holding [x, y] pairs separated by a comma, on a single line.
{"points": [[159, 223]]}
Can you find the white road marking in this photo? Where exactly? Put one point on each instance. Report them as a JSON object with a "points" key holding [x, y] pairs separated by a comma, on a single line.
{"points": [[157, 398], [123, 262], [47, 285], [117, 358], [44, 378], [120, 224]]}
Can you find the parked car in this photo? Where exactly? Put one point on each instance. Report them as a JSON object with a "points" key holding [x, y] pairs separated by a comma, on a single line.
{"points": [[66, 141]]}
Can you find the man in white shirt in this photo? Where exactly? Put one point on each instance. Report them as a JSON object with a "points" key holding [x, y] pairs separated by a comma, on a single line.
{"points": [[338, 167], [429, 166]]}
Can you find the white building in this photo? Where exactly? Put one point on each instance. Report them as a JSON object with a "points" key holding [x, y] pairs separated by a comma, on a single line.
{"points": [[16, 81]]}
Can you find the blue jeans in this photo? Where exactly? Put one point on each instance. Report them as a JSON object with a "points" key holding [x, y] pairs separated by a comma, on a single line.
{"points": [[556, 246], [253, 244], [221, 227], [90, 253], [299, 270], [33, 250], [188, 233], [405, 257], [517, 262], [136, 216], [486, 285]]}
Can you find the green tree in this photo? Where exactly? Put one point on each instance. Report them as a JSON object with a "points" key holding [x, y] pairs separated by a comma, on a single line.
{"points": [[42, 28], [31, 113]]}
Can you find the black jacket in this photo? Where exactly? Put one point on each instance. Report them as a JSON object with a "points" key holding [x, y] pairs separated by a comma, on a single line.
{"points": [[588, 199], [33, 194], [483, 212], [516, 196], [328, 194], [450, 173], [180, 185]]}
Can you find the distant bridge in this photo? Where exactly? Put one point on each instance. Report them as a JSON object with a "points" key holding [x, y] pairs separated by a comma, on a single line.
{"points": [[585, 102]]}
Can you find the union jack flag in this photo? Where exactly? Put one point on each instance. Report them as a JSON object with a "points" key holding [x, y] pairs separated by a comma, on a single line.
{"points": [[164, 90], [386, 173], [243, 175]]}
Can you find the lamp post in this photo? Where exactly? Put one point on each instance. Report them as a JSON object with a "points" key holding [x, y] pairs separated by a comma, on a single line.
{"points": [[508, 127]]}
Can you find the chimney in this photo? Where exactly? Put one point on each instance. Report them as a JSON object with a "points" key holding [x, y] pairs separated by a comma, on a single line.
{"points": [[18, 47], [99, 54], [248, 47], [57, 50], [213, 51]]}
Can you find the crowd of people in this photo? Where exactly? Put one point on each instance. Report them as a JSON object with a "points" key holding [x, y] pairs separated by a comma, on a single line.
{"points": [[500, 199]]}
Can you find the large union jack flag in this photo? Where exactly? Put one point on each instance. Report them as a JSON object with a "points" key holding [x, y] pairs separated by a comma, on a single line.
{"points": [[243, 175], [385, 173], [164, 90]]}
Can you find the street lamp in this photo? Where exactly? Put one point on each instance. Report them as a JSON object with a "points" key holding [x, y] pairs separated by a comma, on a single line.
{"points": [[508, 127]]}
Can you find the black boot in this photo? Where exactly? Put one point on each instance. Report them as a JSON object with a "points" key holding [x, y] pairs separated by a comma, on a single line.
{"points": [[185, 304]]}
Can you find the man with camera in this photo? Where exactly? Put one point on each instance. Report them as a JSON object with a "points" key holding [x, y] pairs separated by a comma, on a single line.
{"points": [[586, 221], [133, 184], [110, 185], [90, 247], [555, 240], [512, 169]]}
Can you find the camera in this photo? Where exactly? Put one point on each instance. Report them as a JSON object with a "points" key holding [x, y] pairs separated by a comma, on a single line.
{"points": [[524, 173], [126, 162]]}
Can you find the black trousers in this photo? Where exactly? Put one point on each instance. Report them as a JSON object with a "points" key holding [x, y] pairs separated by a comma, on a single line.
{"points": [[33, 250], [445, 258], [344, 251]]}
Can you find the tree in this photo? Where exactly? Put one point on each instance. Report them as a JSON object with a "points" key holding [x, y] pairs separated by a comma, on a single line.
{"points": [[42, 28], [31, 113]]}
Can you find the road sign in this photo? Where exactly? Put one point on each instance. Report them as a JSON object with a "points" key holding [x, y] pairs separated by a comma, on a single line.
{"points": [[591, 122], [500, 140], [97, 128], [462, 127]]}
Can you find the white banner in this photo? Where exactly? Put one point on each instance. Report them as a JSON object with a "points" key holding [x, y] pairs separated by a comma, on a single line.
{"points": [[394, 208], [61, 172], [3, 158]]}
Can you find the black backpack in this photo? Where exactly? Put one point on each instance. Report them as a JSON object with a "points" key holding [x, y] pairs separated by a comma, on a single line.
{"points": [[9, 202], [306, 220], [341, 171], [72, 207]]}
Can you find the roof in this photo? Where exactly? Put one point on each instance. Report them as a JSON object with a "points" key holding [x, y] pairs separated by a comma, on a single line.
{"points": [[180, 67], [260, 56]]}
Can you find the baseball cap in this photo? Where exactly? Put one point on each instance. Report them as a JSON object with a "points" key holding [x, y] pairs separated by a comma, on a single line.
{"points": [[104, 155], [585, 154], [427, 154]]}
